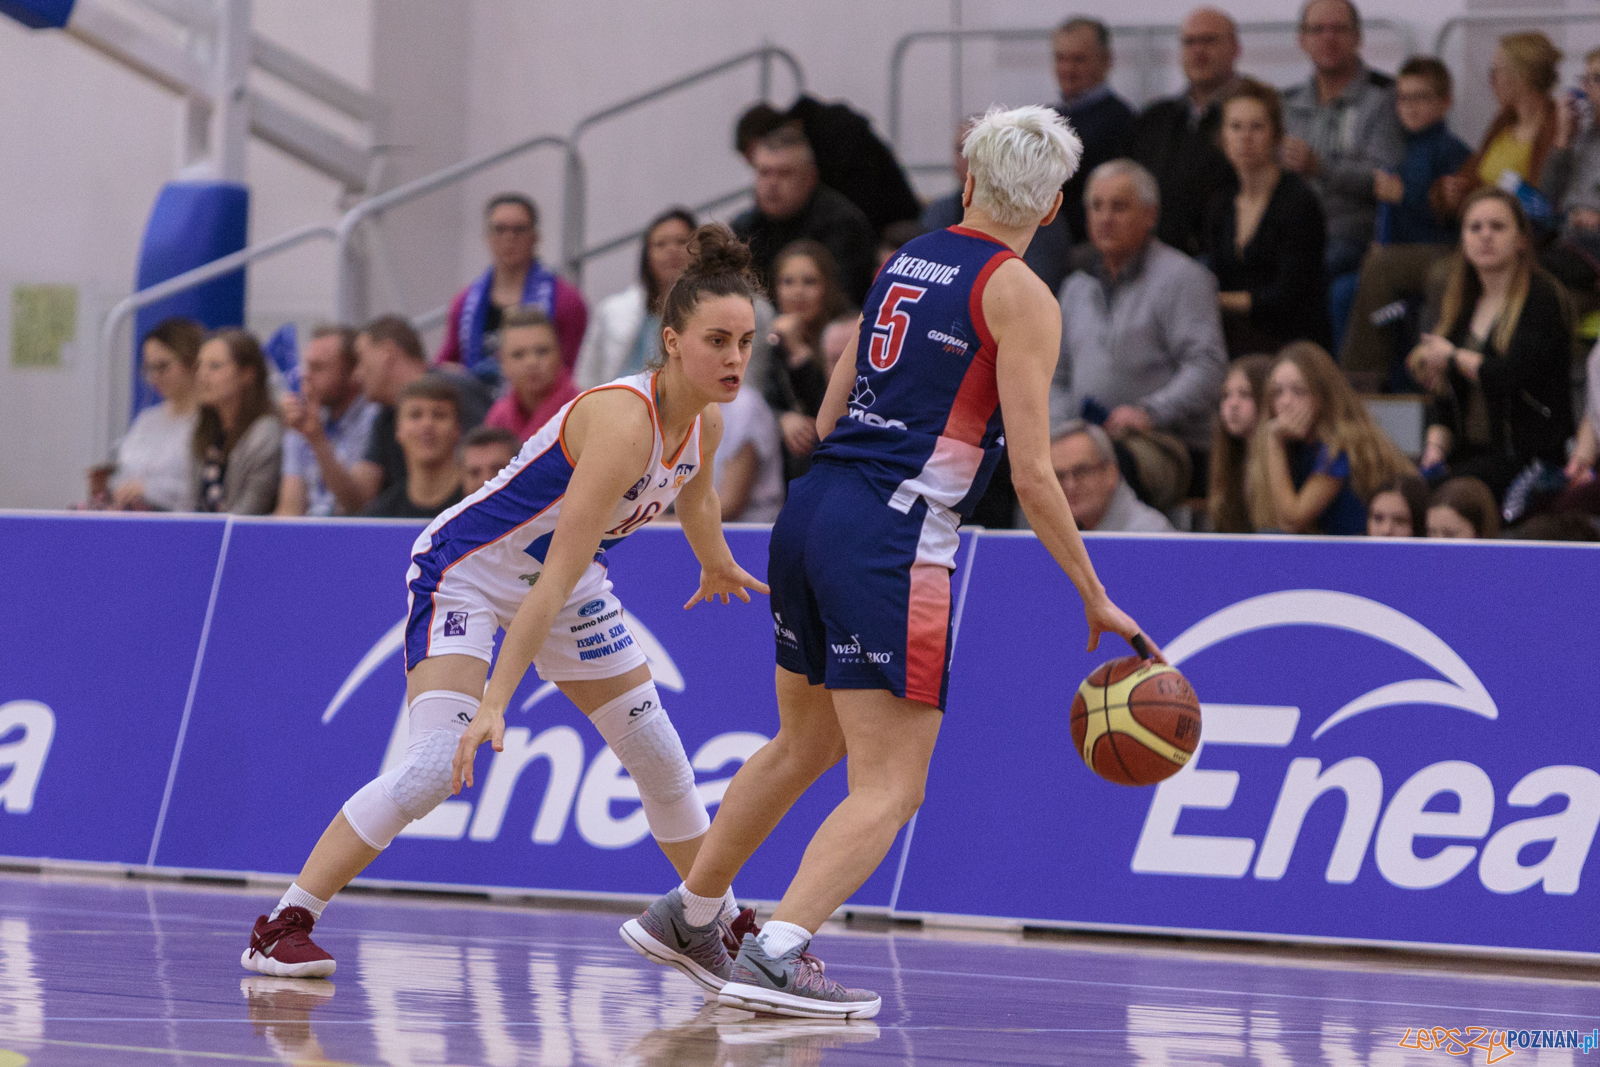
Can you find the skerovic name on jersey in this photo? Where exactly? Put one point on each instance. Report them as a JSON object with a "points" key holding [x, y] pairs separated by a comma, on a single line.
{"points": [[923, 270]]}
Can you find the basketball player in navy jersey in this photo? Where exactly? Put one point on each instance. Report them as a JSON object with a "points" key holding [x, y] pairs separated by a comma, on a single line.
{"points": [[957, 344]]}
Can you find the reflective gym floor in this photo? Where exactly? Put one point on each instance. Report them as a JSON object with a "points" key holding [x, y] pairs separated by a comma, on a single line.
{"points": [[114, 971]]}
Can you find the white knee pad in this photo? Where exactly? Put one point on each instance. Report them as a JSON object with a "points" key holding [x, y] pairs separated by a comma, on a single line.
{"points": [[644, 740], [387, 804]]}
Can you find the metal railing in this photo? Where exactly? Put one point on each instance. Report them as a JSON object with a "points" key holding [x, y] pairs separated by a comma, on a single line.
{"points": [[1519, 19], [575, 188], [348, 301], [1148, 33]]}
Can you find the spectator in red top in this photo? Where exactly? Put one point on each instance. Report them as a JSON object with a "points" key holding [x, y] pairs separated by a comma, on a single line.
{"points": [[516, 279], [537, 384]]}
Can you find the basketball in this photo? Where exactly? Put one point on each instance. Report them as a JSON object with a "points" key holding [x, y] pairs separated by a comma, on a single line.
{"points": [[1135, 721]]}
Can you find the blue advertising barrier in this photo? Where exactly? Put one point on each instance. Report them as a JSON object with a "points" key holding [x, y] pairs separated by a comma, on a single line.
{"points": [[1398, 744]]}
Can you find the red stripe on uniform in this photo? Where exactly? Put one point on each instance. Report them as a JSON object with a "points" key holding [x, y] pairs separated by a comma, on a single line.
{"points": [[979, 394], [927, 628]]}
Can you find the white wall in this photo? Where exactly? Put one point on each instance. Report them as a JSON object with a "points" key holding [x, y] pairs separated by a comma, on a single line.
{"points": [[87, 144]]}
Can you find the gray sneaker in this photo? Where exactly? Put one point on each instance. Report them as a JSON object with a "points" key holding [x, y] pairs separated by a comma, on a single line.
{"points": [[792, 984], [663, 935]]}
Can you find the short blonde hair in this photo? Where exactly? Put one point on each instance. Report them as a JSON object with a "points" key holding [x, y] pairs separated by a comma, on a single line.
{"points": [[1019, 159]]}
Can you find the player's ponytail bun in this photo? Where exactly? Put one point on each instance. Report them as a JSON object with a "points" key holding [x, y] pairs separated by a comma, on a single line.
{"points": [[719, 265]]}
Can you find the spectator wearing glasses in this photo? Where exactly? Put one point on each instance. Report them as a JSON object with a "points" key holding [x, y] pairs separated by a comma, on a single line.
{"points": [[1085, 463], [153, 462], [626, 329], [1341, 129], [329, 422], [515, 278], [1178, 139]]}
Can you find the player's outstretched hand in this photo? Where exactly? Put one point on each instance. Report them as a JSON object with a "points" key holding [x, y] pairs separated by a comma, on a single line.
{"points": [[487, 725], [1105, 617], [723, 581]]}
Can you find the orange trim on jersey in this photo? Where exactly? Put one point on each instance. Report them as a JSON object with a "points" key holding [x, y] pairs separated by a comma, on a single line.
{"points": [[561, 434], [670, 464], [927, 630], [979, 393]]}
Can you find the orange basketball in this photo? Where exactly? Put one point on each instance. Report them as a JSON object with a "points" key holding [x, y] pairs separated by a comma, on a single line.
{"points": [[1135, 721]]}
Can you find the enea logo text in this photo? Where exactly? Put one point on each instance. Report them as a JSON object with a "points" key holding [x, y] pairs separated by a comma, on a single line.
{"points": [[1453, 799]]}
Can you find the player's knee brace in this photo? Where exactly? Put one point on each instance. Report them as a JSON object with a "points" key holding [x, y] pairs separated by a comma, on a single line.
{"points": [[387, 804], [644, 740]]}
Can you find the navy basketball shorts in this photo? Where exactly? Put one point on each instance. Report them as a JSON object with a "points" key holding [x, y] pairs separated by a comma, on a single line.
{"points": [[860, 590]]}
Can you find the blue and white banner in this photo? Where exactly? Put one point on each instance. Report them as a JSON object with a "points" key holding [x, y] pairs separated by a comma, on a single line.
{"points": [[1398, 743]]}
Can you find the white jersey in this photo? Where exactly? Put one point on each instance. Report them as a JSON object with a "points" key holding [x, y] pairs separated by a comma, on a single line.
{"points": [[507, 524]]}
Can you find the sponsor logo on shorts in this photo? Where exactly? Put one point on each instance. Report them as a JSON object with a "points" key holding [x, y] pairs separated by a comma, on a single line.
{"points": [[782, 632], [593, 607], [455, 624], [531, 579], [601, 621], [861, 398], [852, 652]]}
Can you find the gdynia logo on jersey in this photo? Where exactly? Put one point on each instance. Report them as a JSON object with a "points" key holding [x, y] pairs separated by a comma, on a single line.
{"points": [[579, 789], [1463, 813]]}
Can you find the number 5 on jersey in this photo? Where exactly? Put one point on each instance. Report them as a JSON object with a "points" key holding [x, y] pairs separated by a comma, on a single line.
{"points": [[889, 332]]}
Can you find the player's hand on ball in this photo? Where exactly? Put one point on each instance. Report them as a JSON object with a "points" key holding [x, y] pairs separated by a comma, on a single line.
{"points": [[487, 725], [729, 579], [1105, 617]]}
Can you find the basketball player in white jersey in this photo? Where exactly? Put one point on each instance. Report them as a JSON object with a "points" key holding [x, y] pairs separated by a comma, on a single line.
{"points": [[527, 552], [957, 346]]}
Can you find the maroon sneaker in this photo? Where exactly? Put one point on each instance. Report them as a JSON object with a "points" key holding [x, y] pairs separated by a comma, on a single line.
{"points": [[283, 947], [745, 923]]}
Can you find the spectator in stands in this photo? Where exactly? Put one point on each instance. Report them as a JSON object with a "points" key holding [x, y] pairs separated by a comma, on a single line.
{"points": [[1341, 129], [515, 278], [238, 441], [1496, 361], [1318, 456], [389, 357], [1047, 253], [838, 338], [1178, 138], [1141, 334], [626, 329], [1399, 508], [851, 159], [792, 204], [1265, 238], [1244, 397], [329, 423], [153, 468], [1570, 178], [808, 298], [1101, 118], [1463, 508], [1583, 488], [1549, 526], [484, 454], [1522, 74], [749, 461], [427, 428], [893, 237], [1412, 236], [1085, 463], [537, 385]]}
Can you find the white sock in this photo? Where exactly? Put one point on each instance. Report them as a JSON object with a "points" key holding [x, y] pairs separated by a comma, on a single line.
{"points": [[778, 938], [295, 897], [730, 905], [700, 911]]}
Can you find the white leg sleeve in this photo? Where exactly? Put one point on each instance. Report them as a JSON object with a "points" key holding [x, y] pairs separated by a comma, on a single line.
{"points": [[643, 738], [387, 804]]}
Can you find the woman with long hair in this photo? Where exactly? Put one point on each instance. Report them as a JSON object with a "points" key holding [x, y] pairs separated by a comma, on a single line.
{"points": [[238, 438], [805, 282], [1522, 73], [1399, 508], [1463, 508], [1496, 362], [1317, 456], [626, 327], [153, 466], [1244, 398], [1265, 238]]}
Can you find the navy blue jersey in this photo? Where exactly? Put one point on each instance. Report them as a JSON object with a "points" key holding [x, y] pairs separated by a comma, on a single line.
{"points": [[924, 415]]}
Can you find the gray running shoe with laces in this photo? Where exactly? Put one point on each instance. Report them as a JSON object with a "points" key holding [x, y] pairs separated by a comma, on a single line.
{"points": [[791, 984], [663, 935]]}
